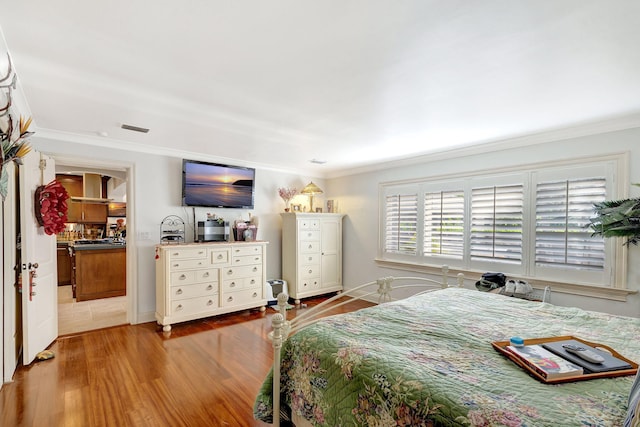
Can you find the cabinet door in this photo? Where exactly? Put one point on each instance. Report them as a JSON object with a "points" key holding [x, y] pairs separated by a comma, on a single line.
{"points": [[64, 266], [74, 211], [93, 212], [331, 252]]}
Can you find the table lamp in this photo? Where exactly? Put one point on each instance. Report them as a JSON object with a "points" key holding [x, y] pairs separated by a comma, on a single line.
{"points": [[311, 189]]}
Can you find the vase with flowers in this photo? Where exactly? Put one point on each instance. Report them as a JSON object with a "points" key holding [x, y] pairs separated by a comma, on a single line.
{"points": [[287, 194]]}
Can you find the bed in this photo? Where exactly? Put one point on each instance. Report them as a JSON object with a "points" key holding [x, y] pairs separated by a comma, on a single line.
{"points": [[427, 360]]}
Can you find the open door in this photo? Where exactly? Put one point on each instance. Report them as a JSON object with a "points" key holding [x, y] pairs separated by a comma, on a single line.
{"points": [[12, 322], [38, 261]]}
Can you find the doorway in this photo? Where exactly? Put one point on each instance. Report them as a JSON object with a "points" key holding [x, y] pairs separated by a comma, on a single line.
{"points": [[79, 316]]}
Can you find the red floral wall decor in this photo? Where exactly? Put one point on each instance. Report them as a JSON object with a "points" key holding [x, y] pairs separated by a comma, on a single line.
{"points": [[51, 207]]}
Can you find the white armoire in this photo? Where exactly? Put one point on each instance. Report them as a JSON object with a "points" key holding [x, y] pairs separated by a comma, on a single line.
{"points": [[311, 253]]}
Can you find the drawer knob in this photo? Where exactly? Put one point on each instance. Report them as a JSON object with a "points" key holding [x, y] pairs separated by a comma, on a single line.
{"points": [[232, 284], [229, 271], [229, 299], [257, 258], [255, 269], [310, 258], [209, 302], [179, 307], [182, 277], [253, 281], [237, 260], [310, 271], [206, 274], [179, 292], [175, 254], [200, 253], [219, 256], [255, 295], [209, 287], [310, 246], [176, 265]]}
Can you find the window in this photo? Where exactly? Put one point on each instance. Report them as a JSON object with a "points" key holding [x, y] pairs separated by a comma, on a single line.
{"points": [[530, 223], [563, 209], [496, 223], [444, 223], [401, 223]]}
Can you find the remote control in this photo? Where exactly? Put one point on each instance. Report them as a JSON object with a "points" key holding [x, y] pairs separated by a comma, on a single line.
{"points": [[583, 353]]}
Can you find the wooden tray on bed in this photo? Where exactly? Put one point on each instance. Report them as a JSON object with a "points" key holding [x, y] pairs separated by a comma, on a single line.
{"points": [[500, 346]]}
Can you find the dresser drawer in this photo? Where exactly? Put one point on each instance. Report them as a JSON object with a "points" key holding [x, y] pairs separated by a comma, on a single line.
{"points": [[183, 277], [241, 250], [309, 224], [247, 260], [309, 247], [194, 276], [192, 291], [309, 235], [183, 264], [308, 284], [242, 271], [242, 283], [208, 275], [186, 253], [241, 297], [220, 256], [307, 271], [309, 258], [189, 306]]}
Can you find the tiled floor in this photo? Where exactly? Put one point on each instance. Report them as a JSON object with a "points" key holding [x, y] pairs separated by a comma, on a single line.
{"points": [[88, 315]]}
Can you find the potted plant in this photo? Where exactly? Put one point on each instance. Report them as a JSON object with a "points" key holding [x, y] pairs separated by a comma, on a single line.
{"points": [[618, 218]]}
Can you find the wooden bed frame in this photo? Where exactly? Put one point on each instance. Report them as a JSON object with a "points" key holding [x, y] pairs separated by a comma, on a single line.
{"points": [[283, 328]]}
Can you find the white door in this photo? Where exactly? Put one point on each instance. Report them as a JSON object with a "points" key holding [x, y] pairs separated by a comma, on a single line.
{"points": [[39, 263], [11, 294]]}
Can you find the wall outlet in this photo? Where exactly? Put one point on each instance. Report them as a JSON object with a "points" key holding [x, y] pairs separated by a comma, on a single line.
{"points": [[143, 235]]}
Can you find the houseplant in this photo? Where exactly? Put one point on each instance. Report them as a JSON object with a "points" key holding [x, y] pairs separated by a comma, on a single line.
{"points": [[618, 218]]}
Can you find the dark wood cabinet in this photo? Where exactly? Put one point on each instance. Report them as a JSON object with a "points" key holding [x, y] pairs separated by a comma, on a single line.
{"points": [[81, 212], [64, 265], [100, 273]]}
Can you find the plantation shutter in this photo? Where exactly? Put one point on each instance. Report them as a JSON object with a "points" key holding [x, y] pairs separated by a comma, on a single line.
{"points": [[563, 237], [401, 223], [496, 223], [444, 223]]}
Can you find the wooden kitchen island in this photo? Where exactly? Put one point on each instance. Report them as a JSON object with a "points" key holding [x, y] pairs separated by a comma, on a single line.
{"points": [[100, 271]]}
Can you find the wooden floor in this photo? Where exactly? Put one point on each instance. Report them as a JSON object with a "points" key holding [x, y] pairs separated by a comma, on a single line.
{"points": [[202, 373]]}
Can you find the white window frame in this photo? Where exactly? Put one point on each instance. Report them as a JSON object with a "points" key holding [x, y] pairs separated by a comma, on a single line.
{"points": [[611, 283]]}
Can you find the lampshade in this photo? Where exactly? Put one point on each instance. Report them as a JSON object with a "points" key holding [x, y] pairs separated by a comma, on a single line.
{"points": [[311, 189]]}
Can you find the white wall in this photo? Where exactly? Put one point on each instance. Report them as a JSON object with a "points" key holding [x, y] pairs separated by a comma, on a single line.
{"points": [[158, 187], [358, 198], [158, 190]]}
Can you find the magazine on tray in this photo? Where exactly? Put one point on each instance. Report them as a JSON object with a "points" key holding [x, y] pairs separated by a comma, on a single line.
{"points": [[549, 365]]}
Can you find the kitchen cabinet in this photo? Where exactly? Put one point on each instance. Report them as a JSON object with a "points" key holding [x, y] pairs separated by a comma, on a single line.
{"points": [[78, 211], [64, 265], [312, 253], [100, 273], [207, 279]]}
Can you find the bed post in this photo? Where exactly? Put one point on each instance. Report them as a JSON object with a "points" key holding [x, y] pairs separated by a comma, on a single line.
{"points": [[278, 323], [445, 277]]}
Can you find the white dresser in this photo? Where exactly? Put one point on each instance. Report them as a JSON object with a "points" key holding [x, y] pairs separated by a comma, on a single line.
{"points": [[206, 279], [311, 253]]}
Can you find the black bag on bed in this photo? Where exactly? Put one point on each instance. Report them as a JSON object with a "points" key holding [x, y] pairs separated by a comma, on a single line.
{"points": [[491, 281]]}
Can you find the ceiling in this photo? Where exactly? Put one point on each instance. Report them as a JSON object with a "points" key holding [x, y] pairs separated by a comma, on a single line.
{"points": [[348, 82]]}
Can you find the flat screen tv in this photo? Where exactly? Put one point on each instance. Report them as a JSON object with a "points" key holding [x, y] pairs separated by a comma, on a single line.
{"points": [[218, 186]]}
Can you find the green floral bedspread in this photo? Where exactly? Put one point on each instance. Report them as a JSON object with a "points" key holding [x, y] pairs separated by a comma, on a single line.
{"points": [[427, 360]]}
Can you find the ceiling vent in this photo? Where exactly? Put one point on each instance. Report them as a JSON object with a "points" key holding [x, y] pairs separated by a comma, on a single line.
{"points": [[134, 128]]}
